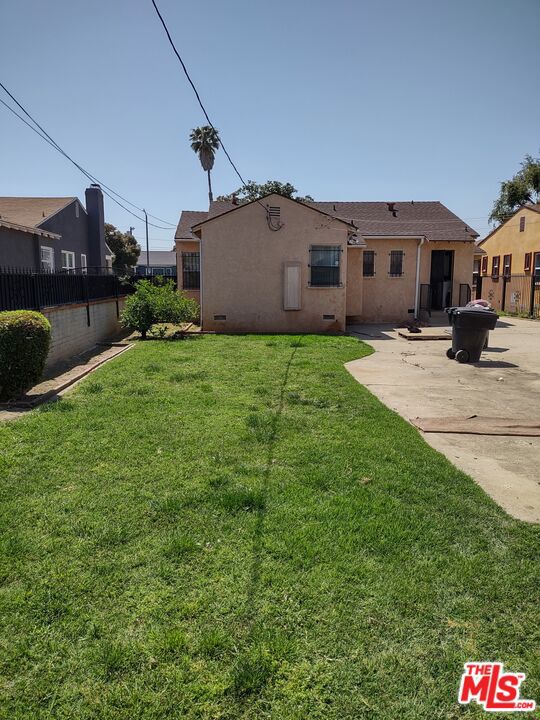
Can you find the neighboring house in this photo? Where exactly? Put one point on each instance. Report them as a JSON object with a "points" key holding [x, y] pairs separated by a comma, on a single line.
{"points": [[511, 253], [54, 234], [162, 262], [280, 265]]}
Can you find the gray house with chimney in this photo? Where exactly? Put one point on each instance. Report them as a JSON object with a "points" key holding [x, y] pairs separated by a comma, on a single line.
{"points": [[54, 234]]}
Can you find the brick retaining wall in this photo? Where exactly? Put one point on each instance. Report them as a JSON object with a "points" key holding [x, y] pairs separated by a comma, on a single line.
{"points": [[71, 333]]}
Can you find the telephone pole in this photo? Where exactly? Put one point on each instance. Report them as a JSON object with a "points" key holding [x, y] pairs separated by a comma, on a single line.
{"points": [[147, 248]]}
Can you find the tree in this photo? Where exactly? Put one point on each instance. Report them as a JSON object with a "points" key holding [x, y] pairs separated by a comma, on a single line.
{"points": [[253, 191], [157, 302], [205, 142], [125, 248], [523, 188]]}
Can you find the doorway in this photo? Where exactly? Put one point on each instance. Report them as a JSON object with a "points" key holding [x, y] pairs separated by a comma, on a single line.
{"points": [[442, 271]]}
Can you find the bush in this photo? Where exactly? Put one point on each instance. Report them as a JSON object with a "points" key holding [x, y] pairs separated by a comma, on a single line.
{"points": [[24, 343], [157, 302]]}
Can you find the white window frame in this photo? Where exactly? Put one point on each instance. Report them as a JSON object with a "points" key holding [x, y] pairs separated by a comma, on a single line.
{"points": [[68, 260], [108, 262], [84, 264], [50, 252]]}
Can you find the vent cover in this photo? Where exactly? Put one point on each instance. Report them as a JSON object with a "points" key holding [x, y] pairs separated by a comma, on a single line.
{"points": [[220, 317], [274, 211], [328, 317]]}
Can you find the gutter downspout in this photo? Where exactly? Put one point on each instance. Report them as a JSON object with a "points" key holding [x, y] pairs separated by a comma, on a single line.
{"points": [[417, 291]]}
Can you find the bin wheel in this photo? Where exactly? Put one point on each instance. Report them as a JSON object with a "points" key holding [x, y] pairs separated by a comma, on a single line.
{"points": [[462, 356], [450, 354]]}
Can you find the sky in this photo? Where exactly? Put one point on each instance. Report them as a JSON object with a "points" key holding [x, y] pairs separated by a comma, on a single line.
{"points": [[347, 100]]}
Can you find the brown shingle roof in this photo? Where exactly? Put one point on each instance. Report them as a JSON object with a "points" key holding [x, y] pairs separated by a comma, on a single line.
{"points": [[31, 211], [431, 219], [188, 219], [427, 218]]}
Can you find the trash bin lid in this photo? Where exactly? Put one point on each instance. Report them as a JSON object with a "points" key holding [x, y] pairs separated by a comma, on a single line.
{"points": [[474, 310]]}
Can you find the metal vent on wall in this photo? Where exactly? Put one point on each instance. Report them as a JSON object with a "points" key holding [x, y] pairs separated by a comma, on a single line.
{"points": [[220, 317], [274, 211], [329, 317]]}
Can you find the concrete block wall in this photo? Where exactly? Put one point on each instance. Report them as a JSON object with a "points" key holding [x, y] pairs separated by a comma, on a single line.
{"points": [[70, 332]]}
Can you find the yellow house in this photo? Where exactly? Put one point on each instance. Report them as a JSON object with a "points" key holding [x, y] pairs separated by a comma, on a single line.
{"points": [[506, 261], [279, 265]]}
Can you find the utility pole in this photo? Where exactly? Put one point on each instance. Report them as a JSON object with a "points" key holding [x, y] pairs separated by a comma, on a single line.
{"points": [[147, 249]]}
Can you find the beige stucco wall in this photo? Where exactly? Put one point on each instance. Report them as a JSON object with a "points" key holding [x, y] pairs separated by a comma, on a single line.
{"points": [[186, 246], [508, 240], [355, 283], [463, 264], [242, 270]]}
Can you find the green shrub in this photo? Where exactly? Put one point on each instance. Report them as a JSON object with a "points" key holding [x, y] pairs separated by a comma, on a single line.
{"points": [[24, 343], [159, 302]]}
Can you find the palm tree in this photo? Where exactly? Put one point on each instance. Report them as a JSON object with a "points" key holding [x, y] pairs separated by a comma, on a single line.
{"points": [[205, 142]]}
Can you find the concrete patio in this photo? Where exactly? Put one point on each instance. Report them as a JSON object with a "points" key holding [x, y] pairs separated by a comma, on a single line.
{"points": [[416, 379]]}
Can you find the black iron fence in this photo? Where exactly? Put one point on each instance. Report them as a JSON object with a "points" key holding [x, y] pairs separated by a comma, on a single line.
{"points": [[27, 290]]}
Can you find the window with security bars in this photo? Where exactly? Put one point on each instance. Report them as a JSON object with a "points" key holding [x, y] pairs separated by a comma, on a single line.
{"points": [[191, 270], [507, 266], [396, 263], [368, 269], [324, 262]]}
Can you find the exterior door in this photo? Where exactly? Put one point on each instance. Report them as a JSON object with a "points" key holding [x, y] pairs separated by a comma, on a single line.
{"points": [[442, 271]]}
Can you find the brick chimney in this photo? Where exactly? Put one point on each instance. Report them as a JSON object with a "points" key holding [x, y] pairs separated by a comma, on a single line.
{"points": [[96, 227]]}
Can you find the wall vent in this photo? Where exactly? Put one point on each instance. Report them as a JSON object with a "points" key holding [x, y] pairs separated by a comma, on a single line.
{"points": [[220, 317], [274, 211], [328, 317]]}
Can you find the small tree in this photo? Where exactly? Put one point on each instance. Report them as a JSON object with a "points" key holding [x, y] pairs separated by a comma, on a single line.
{"points": [[523, 188], [125, 248], [157, 302], [252, 191]]}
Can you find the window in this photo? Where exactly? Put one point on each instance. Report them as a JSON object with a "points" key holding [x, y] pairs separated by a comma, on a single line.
{"points": [[108, 262], [495, 265], [84, 264], [191, 270], [47, 259], [507, 266], [484, 265], [476, 266], [396, 263], [522, 223], [324, 263], [68, 260], [537, 263], [369, 263], [528, 262]]}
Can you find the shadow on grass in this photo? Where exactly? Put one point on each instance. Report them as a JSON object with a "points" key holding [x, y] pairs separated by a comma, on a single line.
{"points": [[258, 532]]}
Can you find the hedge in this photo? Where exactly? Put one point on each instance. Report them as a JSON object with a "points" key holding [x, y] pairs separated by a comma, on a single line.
{"points": [[24, 343]]}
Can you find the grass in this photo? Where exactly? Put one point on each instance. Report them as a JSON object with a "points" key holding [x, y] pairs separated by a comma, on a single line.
{"points": [[232, 527]]}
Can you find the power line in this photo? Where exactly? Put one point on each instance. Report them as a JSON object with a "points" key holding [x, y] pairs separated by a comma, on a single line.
{"points": [[44, 135], [184, 68]]}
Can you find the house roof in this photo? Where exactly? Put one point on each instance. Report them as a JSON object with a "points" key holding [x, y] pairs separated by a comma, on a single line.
{"points": [[535, 207], [188, 219], [219, 208], [428, 218], [158, 257], [31, 212], [386, 219]]}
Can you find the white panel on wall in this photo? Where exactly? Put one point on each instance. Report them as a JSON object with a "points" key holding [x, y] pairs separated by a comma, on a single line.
{"points": [[292, 286]]}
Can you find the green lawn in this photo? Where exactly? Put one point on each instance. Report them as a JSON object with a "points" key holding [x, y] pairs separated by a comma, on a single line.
{"points": [[232, 527]]}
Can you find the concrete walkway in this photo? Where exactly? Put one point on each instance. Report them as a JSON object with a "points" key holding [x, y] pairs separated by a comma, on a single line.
{"points": [[416, 379]]}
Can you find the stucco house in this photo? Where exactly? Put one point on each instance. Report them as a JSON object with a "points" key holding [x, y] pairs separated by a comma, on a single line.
{"points": [[54, 234], [507, 263], [279, 265]]}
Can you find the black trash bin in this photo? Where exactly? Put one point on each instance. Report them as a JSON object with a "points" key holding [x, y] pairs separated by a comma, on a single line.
{"points": [[470, 329]]}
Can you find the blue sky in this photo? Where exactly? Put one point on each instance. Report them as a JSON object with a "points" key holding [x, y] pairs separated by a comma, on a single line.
{"points": [[348, 100]]}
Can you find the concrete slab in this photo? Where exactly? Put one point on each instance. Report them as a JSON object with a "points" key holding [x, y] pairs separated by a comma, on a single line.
{"points": [[419, 381]]}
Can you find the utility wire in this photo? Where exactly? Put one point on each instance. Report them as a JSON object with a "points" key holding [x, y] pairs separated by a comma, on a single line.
{"points": [[45, 136], [184, 68]]}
